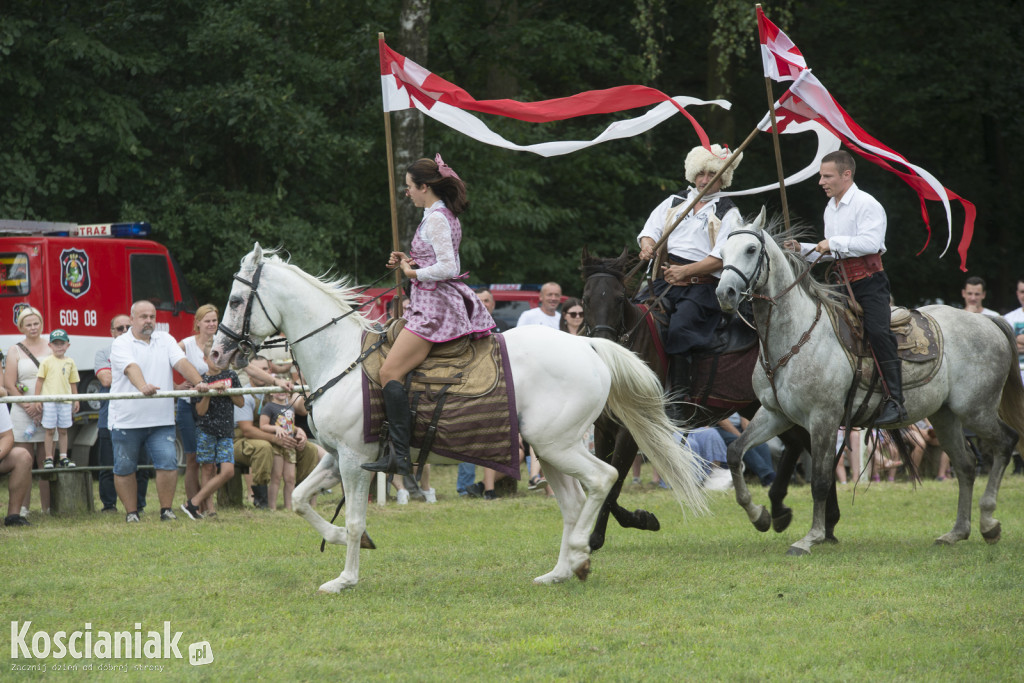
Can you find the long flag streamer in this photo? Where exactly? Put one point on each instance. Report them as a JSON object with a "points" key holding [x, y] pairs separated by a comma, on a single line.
{"points": [[807, 100], [406, 85]]}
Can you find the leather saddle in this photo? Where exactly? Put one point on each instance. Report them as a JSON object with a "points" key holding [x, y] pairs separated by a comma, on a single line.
{"points": [[918, 340], [468, 367]]}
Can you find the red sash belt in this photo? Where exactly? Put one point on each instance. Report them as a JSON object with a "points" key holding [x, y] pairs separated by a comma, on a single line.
{"points": [[860, 267]]}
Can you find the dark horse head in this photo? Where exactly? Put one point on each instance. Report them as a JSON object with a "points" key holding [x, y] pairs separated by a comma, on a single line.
{"points": [[605, 302]]}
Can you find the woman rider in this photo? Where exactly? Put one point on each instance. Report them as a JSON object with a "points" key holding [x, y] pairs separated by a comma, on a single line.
{"points": [[441, 307]]}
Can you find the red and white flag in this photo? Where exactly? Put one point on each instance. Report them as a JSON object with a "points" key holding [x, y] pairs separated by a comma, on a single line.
{"points": [[782, 59], [807, 100], [406, 85]]}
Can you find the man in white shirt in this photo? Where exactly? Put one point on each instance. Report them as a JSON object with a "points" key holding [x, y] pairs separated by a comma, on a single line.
{"points": [[688, 280], [142, 359], [855, 225], [1016, 320], [973, 294], [547, 312]]}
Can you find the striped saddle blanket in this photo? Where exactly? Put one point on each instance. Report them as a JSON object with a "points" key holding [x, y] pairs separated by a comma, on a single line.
{"points": [[462, 397]]}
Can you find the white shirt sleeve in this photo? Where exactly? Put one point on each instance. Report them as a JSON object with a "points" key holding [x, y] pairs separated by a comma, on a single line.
{"points": [[870, 235], [174, 352], [655, 225], [121, 355], [438, 233]]}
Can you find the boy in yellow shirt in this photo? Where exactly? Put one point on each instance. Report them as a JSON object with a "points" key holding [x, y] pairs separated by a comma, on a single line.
{"points": [[57, 375]]}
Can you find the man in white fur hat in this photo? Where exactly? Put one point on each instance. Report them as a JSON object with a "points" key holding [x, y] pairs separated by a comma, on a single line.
{"points": [[688, 280]]}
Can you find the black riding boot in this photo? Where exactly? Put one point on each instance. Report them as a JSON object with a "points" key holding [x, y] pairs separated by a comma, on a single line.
{"points": [[893, 413], [679, 386], [395, 459]]}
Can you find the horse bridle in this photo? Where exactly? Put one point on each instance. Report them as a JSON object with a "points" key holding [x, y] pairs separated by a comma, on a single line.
{"points": [[762, 263], [248, 347], [625, 337], [770, 369], [244, 342]]}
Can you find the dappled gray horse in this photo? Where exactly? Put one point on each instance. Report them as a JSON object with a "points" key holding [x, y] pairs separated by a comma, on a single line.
{"points": [[977, 383]]}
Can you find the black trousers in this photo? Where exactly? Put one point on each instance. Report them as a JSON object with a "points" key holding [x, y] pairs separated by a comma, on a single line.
{"points": [[693, 313], [872, 293]]}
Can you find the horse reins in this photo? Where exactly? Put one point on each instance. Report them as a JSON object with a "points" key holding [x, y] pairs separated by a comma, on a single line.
{"points": [[624, 337], [752, 281], [248, 347]]}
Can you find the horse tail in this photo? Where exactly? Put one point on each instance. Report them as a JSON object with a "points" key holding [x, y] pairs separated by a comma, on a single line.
{"points": [[1011, 404], [636, 400]]}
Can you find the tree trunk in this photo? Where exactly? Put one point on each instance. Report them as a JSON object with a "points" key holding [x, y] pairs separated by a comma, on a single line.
{"points": [[414, 43]]}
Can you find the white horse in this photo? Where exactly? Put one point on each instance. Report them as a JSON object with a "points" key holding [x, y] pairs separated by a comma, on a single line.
{"points": [[562, 384], [977, 384]]}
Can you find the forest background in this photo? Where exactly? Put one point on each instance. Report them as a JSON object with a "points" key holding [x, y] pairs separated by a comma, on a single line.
{"points": [[224, 122]]}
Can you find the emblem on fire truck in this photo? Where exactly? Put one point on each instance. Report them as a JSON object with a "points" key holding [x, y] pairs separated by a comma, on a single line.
{"points": [[74, 272]]}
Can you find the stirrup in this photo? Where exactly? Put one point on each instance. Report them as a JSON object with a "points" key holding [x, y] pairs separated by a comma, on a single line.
{"points": [[385, 463], [891, 420]]}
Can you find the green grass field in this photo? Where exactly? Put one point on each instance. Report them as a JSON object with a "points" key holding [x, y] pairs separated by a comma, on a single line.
{"points": [[447, 596]]}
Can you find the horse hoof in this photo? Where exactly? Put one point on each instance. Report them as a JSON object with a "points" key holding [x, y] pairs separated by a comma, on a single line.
{"points": [[367, 542], [596, 542], [583, 571], [781, 522], [646, 521], [764, 521], [993, 535], [831, 539], [795, 551]]}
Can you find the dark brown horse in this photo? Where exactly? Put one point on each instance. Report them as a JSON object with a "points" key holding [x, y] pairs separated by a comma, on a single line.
{"points": [[608, 312]]}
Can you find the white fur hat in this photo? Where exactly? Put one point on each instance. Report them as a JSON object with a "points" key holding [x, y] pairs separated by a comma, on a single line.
{"points": [[699, 159]]}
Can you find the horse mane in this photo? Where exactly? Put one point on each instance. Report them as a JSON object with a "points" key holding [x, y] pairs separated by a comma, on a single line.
{"points": [[616, 266], [339, 289], [830, 295]]}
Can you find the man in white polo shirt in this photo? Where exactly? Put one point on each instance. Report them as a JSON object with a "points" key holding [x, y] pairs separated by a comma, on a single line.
{"points": [[143, 360], [547, 312]]}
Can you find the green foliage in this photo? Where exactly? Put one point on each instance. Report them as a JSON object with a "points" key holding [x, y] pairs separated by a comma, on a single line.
{"points": [[227, 122]]}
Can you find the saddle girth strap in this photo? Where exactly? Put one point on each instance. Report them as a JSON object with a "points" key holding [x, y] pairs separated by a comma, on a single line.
{"points": [[428, 437]]}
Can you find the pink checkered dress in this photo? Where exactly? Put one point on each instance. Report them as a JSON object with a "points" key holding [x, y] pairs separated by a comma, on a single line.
{"points": [[441, 306]]}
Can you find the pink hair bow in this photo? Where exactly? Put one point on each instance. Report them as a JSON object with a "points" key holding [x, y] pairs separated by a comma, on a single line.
{"points": [[444, 169]]}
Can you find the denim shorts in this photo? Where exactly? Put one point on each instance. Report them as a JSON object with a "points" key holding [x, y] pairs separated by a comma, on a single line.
{"points": [[56, 415], [185, 417], [213, 450], [159, 441]]}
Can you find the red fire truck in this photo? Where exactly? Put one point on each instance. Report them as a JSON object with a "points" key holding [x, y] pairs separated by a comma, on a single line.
{"points": [[81, 276]]}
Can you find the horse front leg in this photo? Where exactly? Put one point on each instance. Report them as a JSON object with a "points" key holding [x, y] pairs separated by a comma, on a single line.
{"points": [[763, 427], [323, 476], [822, 480], [355, 482]]}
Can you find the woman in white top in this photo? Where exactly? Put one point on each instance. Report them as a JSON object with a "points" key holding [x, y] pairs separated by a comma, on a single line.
{"points": [[204, 326], [20, 380]]}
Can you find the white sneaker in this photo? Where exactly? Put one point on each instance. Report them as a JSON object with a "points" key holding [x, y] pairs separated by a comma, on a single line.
{"points": [[718, 480], [430, 496], [402, 497]]}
